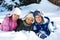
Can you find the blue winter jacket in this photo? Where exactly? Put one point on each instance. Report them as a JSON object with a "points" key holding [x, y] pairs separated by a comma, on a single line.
{"points": [[43, 26]]}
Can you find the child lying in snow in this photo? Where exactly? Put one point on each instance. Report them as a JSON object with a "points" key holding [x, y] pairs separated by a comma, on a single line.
{"points": [[25, 24], [41, 28], [10, 22]]}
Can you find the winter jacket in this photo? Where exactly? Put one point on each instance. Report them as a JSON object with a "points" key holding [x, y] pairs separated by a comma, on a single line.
{"points": [[8, 24], [42, 27], [22, 25]]}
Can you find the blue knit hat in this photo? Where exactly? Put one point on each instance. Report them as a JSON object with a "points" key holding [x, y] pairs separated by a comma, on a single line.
{"points": [[36, 13]]}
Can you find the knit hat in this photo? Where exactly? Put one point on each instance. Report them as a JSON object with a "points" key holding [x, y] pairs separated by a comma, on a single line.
{"points": [[28, 15], [16, 11], [37, 13]]}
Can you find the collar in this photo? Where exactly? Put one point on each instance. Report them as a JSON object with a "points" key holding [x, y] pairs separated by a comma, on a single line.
{"points": [[25, 23]]}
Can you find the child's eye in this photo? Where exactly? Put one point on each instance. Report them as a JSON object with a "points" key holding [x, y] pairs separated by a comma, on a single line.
{"points": [[16, 15]]}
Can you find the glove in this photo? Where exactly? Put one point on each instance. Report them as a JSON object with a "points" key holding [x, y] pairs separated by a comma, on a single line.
{"points": [[43, 36]]}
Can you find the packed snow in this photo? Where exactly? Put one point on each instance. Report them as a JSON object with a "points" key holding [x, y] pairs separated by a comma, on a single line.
{"points": [[49, 9]]}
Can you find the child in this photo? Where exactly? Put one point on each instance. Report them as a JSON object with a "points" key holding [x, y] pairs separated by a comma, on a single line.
{"points": [[10, 22], [40, 26], [25, 24]]}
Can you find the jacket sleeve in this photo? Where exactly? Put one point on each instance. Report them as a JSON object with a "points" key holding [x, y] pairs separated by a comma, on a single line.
{"points": [[52, 28], [46, 26], [19, 25], [48, 20], [31, 28], [5, 24]]}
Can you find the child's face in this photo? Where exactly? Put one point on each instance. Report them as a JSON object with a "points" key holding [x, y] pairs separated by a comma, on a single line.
{"points": [[29, 20], [15, 17], [38, 19]]}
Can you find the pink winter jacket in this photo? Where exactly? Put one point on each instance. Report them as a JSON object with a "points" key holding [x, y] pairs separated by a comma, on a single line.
{"points": [[8, 25]]}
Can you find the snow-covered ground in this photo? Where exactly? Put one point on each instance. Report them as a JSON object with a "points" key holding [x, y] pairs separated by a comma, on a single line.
{"points": [[49, 9]]}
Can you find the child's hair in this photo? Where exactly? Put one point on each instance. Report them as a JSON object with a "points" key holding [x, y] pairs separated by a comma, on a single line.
{"points": [[42, 19], [10, 16]]}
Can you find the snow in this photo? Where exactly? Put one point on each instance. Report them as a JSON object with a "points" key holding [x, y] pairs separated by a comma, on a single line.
{"points": [[44, 5], [48, 9], [17, 1]]}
